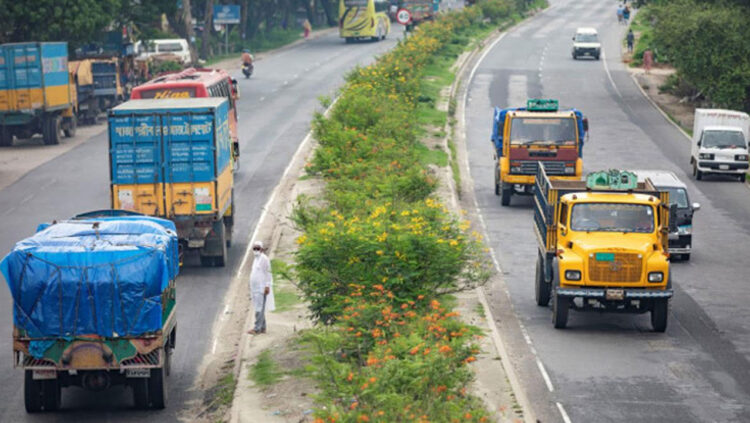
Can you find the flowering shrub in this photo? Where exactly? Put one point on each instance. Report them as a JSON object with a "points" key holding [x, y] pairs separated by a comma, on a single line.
{"points": [[375, 260]]}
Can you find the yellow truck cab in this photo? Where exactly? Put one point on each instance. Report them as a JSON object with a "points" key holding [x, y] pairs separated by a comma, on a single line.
{"points": [[538, 133], [603, 246]]}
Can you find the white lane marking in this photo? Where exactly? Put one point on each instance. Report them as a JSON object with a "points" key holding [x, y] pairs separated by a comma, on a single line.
{"points": [[609, 75], [545, 376], [296, 75], [26, 199], [9, 211], [564, 415], [262, 98], [517, 90]]}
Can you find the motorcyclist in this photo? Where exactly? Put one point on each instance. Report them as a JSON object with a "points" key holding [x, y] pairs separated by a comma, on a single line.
{"points": [[247, 58]]}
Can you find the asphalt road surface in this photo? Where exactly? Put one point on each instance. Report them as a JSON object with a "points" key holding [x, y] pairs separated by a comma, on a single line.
{"points": [[612, 367], [275, 110]]}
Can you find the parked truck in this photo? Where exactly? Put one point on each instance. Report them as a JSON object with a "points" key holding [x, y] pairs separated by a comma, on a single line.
{"points": [[538, 133], [172, 158], [94, 306], [603, 246], [36, 93], [98, 86], [719, 146]]}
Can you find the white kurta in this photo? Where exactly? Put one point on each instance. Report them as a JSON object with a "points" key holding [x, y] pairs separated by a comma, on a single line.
{"points": [[260, 278]]}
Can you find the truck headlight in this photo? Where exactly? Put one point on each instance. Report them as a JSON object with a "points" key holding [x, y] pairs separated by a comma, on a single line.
{"points": [[573, 275], [569, 169], [685, 229], [515, 169], [655, 277], [741, 157], [706, 156]]}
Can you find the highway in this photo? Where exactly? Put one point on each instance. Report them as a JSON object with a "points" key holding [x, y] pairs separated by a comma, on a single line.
{"points": [[612, 367], [275, 111]]}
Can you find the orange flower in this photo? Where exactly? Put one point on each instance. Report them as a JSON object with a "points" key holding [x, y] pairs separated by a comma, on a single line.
{"points": [[354, 405], [358, 334], [414, 350], [404, 306], [426, 351], [372, 380], [371, 361], [467, 415], [445, 349], [441, 388], [363, 418], [470, 359], [350, 377]]}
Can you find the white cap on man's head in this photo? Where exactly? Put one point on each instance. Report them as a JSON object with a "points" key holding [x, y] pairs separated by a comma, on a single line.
{"points": [[258, 244]]}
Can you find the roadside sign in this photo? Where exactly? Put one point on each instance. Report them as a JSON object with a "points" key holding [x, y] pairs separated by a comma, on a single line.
{"points": [[226, 14], [403, 16]]}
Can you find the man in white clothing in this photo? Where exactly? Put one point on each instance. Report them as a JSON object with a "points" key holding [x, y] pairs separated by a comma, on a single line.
{"points": [[261, 289]]}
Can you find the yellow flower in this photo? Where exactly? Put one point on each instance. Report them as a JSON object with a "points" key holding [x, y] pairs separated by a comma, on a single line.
{"points": [[453, 243], [379, 252], [382, 237]]}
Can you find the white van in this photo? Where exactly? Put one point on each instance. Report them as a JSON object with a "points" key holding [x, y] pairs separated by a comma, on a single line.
{"points": [[177, 46], [720, 143], [586, 43]]}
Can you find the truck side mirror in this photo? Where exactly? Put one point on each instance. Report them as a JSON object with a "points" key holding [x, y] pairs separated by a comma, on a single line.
{"points": [[696, 206], [585, 124]]}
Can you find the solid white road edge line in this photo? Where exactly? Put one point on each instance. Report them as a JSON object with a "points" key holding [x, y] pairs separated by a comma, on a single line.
{"points": [[545, 376], [564, 415], [609, 75]]}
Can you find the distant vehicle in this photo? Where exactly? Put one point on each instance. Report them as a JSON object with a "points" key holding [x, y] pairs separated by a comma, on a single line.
{"points": [[36, 92], [523, 137], [197, 83], [719, 144], [172, 158], [603, 246], [247, 69], [176, 46], [94, 306], [98, 86], [680, 243], [360, 19], [586, 43]]}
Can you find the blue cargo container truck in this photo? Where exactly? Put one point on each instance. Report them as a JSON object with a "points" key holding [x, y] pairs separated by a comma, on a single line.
{"points": [[172, 158]]}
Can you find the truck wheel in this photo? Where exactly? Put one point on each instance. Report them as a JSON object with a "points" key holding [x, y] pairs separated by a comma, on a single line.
{"points": [[71, 124], [685, 257], [51, 395], [221, 259], [741, 177], [507, 192], [560, 308], [157, 388], [6, 137], [697, 174], [497, 182], [140, 392], [659, 314], [542, 291], [32, 393], [51, 130]]}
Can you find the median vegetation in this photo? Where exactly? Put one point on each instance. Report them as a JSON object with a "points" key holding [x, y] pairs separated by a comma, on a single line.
{"points": [[380, 253], [706, 41]]}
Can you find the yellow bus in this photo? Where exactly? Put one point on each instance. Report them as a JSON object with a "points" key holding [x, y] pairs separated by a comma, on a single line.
{"points": [[360, 19]]}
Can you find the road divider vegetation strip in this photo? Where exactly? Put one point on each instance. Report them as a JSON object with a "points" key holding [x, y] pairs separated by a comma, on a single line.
{"points": [[380, 254]]}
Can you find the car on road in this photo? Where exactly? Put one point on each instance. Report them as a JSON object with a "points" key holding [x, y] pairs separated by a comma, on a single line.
{"points": [[586, 43], [176, 46], [680, 244]]}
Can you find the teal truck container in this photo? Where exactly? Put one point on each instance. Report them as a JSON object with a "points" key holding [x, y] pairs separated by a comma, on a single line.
{"points": [[36, 93]]}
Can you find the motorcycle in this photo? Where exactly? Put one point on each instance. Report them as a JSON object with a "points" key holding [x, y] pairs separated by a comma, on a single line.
{"points": [[247, 69]]}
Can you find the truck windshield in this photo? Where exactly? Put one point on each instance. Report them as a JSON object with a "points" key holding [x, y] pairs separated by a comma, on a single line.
{"points": [[612, 217], [587, 38], [678, 196], [542, 131], [723, 139]]}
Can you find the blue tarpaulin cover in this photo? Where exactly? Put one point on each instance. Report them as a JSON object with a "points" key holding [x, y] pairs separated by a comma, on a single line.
{"points": [[81, 278]]}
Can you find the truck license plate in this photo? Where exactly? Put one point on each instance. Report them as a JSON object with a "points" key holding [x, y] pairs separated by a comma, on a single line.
{"points": [[137, 373], [44, 374], [724, 167], [614, 294]]}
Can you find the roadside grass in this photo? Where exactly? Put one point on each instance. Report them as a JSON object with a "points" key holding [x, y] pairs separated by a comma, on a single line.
{"points": [[479, 309], [429, 156], [644, 37], [285, 299], [265, 372], [225, 392]]}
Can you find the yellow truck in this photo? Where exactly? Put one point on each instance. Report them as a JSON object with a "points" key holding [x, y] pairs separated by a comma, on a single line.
{"points": [[603, 246], [539, 133]]}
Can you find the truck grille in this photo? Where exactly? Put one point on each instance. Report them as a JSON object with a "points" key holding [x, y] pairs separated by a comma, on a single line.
{"points": [[625, 267], [551, 167]]}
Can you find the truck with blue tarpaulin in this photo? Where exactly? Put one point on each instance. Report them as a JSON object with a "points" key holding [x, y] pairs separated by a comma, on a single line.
{"points": [[94, 306], [538, 133], [172, 158], [36, 92]]}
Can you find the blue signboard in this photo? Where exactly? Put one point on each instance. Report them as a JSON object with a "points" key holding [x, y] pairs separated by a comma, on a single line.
{"points": [[226, 14]]}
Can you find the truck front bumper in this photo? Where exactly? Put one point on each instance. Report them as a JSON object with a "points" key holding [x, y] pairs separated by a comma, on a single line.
{"points": [[722, 167], [607, 293]]}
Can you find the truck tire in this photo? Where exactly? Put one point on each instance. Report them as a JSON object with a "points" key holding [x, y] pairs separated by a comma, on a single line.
{"points": [[697, 174], [6, 137], [659, 315], [741, 178], [32, 393], [51, 129], [51, 395], [685, 257], [507, 192], [157, 388], [215, 251], [221, 259], [497, 182], [542, 291], [70, 125], [140, 393], [560, 309]]}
